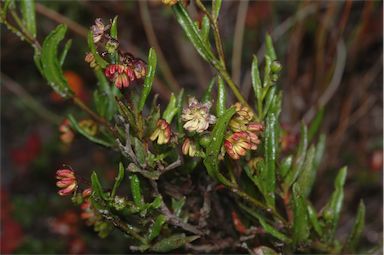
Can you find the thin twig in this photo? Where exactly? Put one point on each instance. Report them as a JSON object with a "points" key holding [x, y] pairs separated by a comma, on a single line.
{"points": [[238, 41], [152, 38], [29, 101], [173, 219]]}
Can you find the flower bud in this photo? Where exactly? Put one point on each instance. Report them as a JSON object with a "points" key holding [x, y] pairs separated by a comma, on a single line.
{"points": [[66, 132], [120, 74], [237, 144], [188, 148], [162, 133], [66, 181], [276, 67], [112, 45], [89, 126]]}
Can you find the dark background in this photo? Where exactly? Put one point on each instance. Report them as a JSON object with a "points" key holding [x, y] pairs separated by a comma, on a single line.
{"points": [[312, 40]]}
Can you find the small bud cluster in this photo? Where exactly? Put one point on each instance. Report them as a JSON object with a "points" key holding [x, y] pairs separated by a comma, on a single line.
{"points": [[162, 132], [66, 181], [196, 116], [245, 133]]}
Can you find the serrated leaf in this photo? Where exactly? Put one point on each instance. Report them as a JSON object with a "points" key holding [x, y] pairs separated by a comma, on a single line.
{"points": [[119, 178], [358, 227], [192, 32], [148, 81], [155, 229], [211, 161], [50, 62], [173, 242], [300, 216], [221, 97], [28, 13], [94, 139], [96, 186]]}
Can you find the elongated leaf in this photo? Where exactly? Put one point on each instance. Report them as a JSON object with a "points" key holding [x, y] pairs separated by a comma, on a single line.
{"points": [[179, 106], [177, 205], [320, 148], [221, 97], [307, 176], [315, 125], [96, 186], [50, 62], [358, 228], [216, 6], [331, 212], [270, 51], [204, 31], [300, 216], [171, 109], [173, 242], [92, 47], [119, 178], [67, 46], [192, 31], [148, 82], [114, 28], [256, 84], [94, 139], [269, 98], [136, 190], [155, 229], [285, 166], [207, 97], [299, 159], [211, 161], [140, 151], [270, 150], [28, 13], [266, 227], [312, 215]]}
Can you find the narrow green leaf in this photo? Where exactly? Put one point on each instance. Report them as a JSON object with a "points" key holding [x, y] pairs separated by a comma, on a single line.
{"points": [[270, 96], [96, 186], [300, 216], [221, 97], [216, 6], [37, 60], [192, 31], [155, 229], [207, 97], [307, 176], [312, 215], [50, 62], [76, 126], [270, 51], [173, 242], [171, 109], [204, 31], [315, 125], [177, 205], [266, 227], [140, 151], [320, 148], [92, 47], [285, 166], [179, 106], [148, 82], [331, 212], [65, 51], [299, 159], [211, 161], [114, 28], [357, 229], [119, 178], [271, 138], [28, 13], [136, 190], [256, 84]]}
